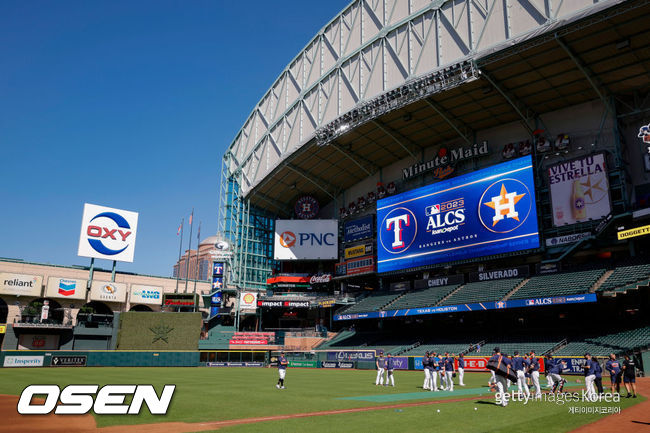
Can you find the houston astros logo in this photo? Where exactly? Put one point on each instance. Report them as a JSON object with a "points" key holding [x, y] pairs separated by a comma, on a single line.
{"points": [[287, 239], [116, 237], [398, 230], [504, 206]]}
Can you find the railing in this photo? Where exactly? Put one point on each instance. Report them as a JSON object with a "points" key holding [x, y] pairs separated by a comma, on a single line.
{"points": [[557, 347]]}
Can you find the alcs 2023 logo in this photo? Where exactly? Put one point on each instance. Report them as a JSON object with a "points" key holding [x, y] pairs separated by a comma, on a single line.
{"points": [[108, 233]]}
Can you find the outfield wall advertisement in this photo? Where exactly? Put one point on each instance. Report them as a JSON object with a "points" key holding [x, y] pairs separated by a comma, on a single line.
{"points": [[497, 305], [306, 240], [486, 212]]}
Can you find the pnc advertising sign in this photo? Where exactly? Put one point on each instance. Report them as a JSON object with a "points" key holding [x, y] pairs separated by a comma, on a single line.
{"points": [[306, 240], [107, 233], [485, 212]]}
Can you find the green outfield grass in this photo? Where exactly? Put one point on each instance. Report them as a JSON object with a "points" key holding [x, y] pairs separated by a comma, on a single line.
{"points": [[213, 394]]}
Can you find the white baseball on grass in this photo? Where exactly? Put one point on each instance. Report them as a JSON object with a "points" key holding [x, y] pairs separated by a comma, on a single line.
{"points": [[438, 410], [475, 408]]}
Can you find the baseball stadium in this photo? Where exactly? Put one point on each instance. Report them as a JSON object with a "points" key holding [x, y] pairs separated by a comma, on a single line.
{"points": [[465, 181]]}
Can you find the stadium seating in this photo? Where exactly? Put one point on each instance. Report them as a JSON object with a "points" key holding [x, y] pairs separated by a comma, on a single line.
{"points": [[218, 338], [482, 291], [439, 347], [626, 278], [522, 344], [570, 283], [421, 298], [605, 344], [372, 303]]}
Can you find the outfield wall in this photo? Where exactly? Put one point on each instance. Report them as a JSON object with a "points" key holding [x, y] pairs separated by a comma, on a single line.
{"points": [[108, 358], [159, 331]]}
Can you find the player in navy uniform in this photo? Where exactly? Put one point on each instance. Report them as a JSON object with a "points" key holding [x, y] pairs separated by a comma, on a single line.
{"points": [[629, 375], [614, 369], [556, 367], [449, 371], [427, 373], [433, 371], [381, 365], [519, 366], [461, 369], [534, 373], [590, 375], [501, 387], [598, 371], [282, 370], [390, 368], [437, 371]]}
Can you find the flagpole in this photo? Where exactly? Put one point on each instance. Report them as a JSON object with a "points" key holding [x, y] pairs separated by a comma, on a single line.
{"points": [[198, 243], [180, 249], [189, 250]]}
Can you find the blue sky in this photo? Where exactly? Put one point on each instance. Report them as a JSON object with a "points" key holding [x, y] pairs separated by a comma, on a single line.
{"points": [[130, 104]]}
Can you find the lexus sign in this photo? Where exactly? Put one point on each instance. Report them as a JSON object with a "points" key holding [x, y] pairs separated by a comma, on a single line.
{"points": [[306, 240]]}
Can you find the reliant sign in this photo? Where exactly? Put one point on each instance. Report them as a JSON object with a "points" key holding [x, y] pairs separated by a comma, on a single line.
{"points": [[19, 284], [446, 158]]}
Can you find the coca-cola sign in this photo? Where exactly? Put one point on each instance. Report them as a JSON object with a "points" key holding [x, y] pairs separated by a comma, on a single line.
{"points": [[320, 279]]}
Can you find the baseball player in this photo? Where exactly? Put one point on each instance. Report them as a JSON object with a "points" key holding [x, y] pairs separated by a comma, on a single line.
{"points": [[449, 371], [555, 368], [390, 369], [614, 368], [381, 365], [461, 369], [427, 372], [534, 373], [433, 374], [598, 371], [629, 375], [590, 376], [520, 366], [492, 381], [502, 391], [437, 371], [282, 370]]}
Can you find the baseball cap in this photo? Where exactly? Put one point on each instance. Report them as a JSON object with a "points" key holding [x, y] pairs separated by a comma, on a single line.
{"points": [[496, 349], [587, 354]]}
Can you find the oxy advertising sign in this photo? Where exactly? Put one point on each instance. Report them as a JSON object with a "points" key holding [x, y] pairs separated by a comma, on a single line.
{"points": [[359, 229], [107, 233], [488, 211], [579, 190], [142, 294], [20, 284], [108, 292], [306, 240], [58, 287]]}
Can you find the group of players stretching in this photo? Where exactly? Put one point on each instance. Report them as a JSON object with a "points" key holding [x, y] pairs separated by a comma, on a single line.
{"points": [[526, 369]]}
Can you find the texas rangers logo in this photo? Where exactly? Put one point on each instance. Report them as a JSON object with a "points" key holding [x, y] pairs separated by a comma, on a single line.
{"points": [[505, 206], [398, 230]]}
